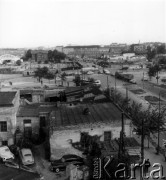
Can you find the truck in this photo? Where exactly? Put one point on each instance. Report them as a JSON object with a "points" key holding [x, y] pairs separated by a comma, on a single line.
{"points": [[124, 76]]}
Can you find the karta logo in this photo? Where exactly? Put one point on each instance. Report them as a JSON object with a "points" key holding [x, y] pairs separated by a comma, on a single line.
{"points": [[101, 167]]}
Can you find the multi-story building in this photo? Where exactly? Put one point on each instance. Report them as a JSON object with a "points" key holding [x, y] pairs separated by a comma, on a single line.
{"points": [[138, 48], [59, 48], [39, 55], [9, 104]]}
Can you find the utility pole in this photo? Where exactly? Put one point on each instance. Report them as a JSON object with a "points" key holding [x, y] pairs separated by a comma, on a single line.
{"points": [[143, 80], [115, 89], [107, 83], [127, 96], [142, 148], [158, 144], [121, 141]]}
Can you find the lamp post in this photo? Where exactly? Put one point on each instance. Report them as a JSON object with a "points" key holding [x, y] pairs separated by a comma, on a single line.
{"points": [[143, 80], [158, 141], [115, 89], [142, 148]]}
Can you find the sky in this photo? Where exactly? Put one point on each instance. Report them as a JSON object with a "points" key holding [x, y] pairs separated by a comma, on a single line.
{"points": [[33, 23]]}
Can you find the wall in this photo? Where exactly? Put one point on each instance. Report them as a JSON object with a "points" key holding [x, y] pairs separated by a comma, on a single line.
{"points": [[34, 123], [60, 139], [9, 114]]}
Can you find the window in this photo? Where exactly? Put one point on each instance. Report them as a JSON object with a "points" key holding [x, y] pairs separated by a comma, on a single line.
{"points": [[4, 143], [107, 135], [3, 126]]}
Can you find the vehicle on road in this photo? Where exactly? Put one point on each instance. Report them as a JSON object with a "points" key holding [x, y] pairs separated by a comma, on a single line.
{"points": [[97, 82], [60, 164], [133, 81], [58, 79], [6, 154], [26, 156], [145, 78], [106, 71], [90, 72]]}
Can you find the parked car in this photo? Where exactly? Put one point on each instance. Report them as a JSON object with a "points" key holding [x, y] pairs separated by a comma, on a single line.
{"points": [[60, 164], [6, 154], [97, 82], [90, 72], [12, 164], [133, 81], [106, 71], [26, 156], [145, 78], [58, 79]]}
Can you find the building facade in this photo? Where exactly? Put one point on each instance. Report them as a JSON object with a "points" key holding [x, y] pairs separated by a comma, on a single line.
{"points": [[67, 123], [39, 55], [9, 105]]}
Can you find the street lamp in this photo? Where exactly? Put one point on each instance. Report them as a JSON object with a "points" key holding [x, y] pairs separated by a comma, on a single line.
{"points": [[143, 80]]}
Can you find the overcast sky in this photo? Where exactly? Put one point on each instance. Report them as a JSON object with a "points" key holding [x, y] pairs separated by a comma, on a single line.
{"points": [[30, 23]]}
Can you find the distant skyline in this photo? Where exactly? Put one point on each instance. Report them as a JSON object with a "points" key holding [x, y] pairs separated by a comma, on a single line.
{"points": [[49, 23]]}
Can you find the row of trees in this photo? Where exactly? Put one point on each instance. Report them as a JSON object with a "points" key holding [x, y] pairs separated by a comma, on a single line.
{"points": [[53, 56], [151, 117], [153, 71], [152, 52]]}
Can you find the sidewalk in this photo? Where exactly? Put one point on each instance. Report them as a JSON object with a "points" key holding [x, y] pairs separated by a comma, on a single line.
{"points": [[150, 153]]}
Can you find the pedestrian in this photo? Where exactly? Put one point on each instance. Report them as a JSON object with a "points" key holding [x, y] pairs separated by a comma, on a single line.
{"points": [[41, 82], [147, 165]]}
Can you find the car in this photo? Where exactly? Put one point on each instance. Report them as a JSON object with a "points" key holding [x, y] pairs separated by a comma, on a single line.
{"points": [[100, 72], [90, 72], [106, 71], [60, 164], [133, 81], [6, 154], [97, 82], [145, 78], [58, 79], [26, 156]]}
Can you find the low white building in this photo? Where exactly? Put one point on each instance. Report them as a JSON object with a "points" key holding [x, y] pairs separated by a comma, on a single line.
{"points": [[127, 56], [67, 123], [9, 57]]}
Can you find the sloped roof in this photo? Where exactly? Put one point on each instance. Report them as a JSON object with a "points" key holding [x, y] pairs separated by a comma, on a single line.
{"points": [[6, 98], [33, 110], [73, 115]]}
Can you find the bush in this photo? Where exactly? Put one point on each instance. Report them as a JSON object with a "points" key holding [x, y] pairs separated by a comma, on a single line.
{"points": [[18, 63]]}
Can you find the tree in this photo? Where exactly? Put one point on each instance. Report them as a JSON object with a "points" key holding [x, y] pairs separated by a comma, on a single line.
{"points": [[18, 62], [63, 77], [49, 76], [50, 55], [41, 72], [151, 53], [161, 49], [28, 54], [77, 80], [57, 56]]}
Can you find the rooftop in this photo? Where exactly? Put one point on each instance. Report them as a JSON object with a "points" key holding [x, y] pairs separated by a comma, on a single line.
{"points": [[66, 115], [33, 110], [6, 98]]}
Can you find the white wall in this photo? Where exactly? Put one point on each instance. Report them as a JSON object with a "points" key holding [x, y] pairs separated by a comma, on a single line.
{"points": [[60, 140]]}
